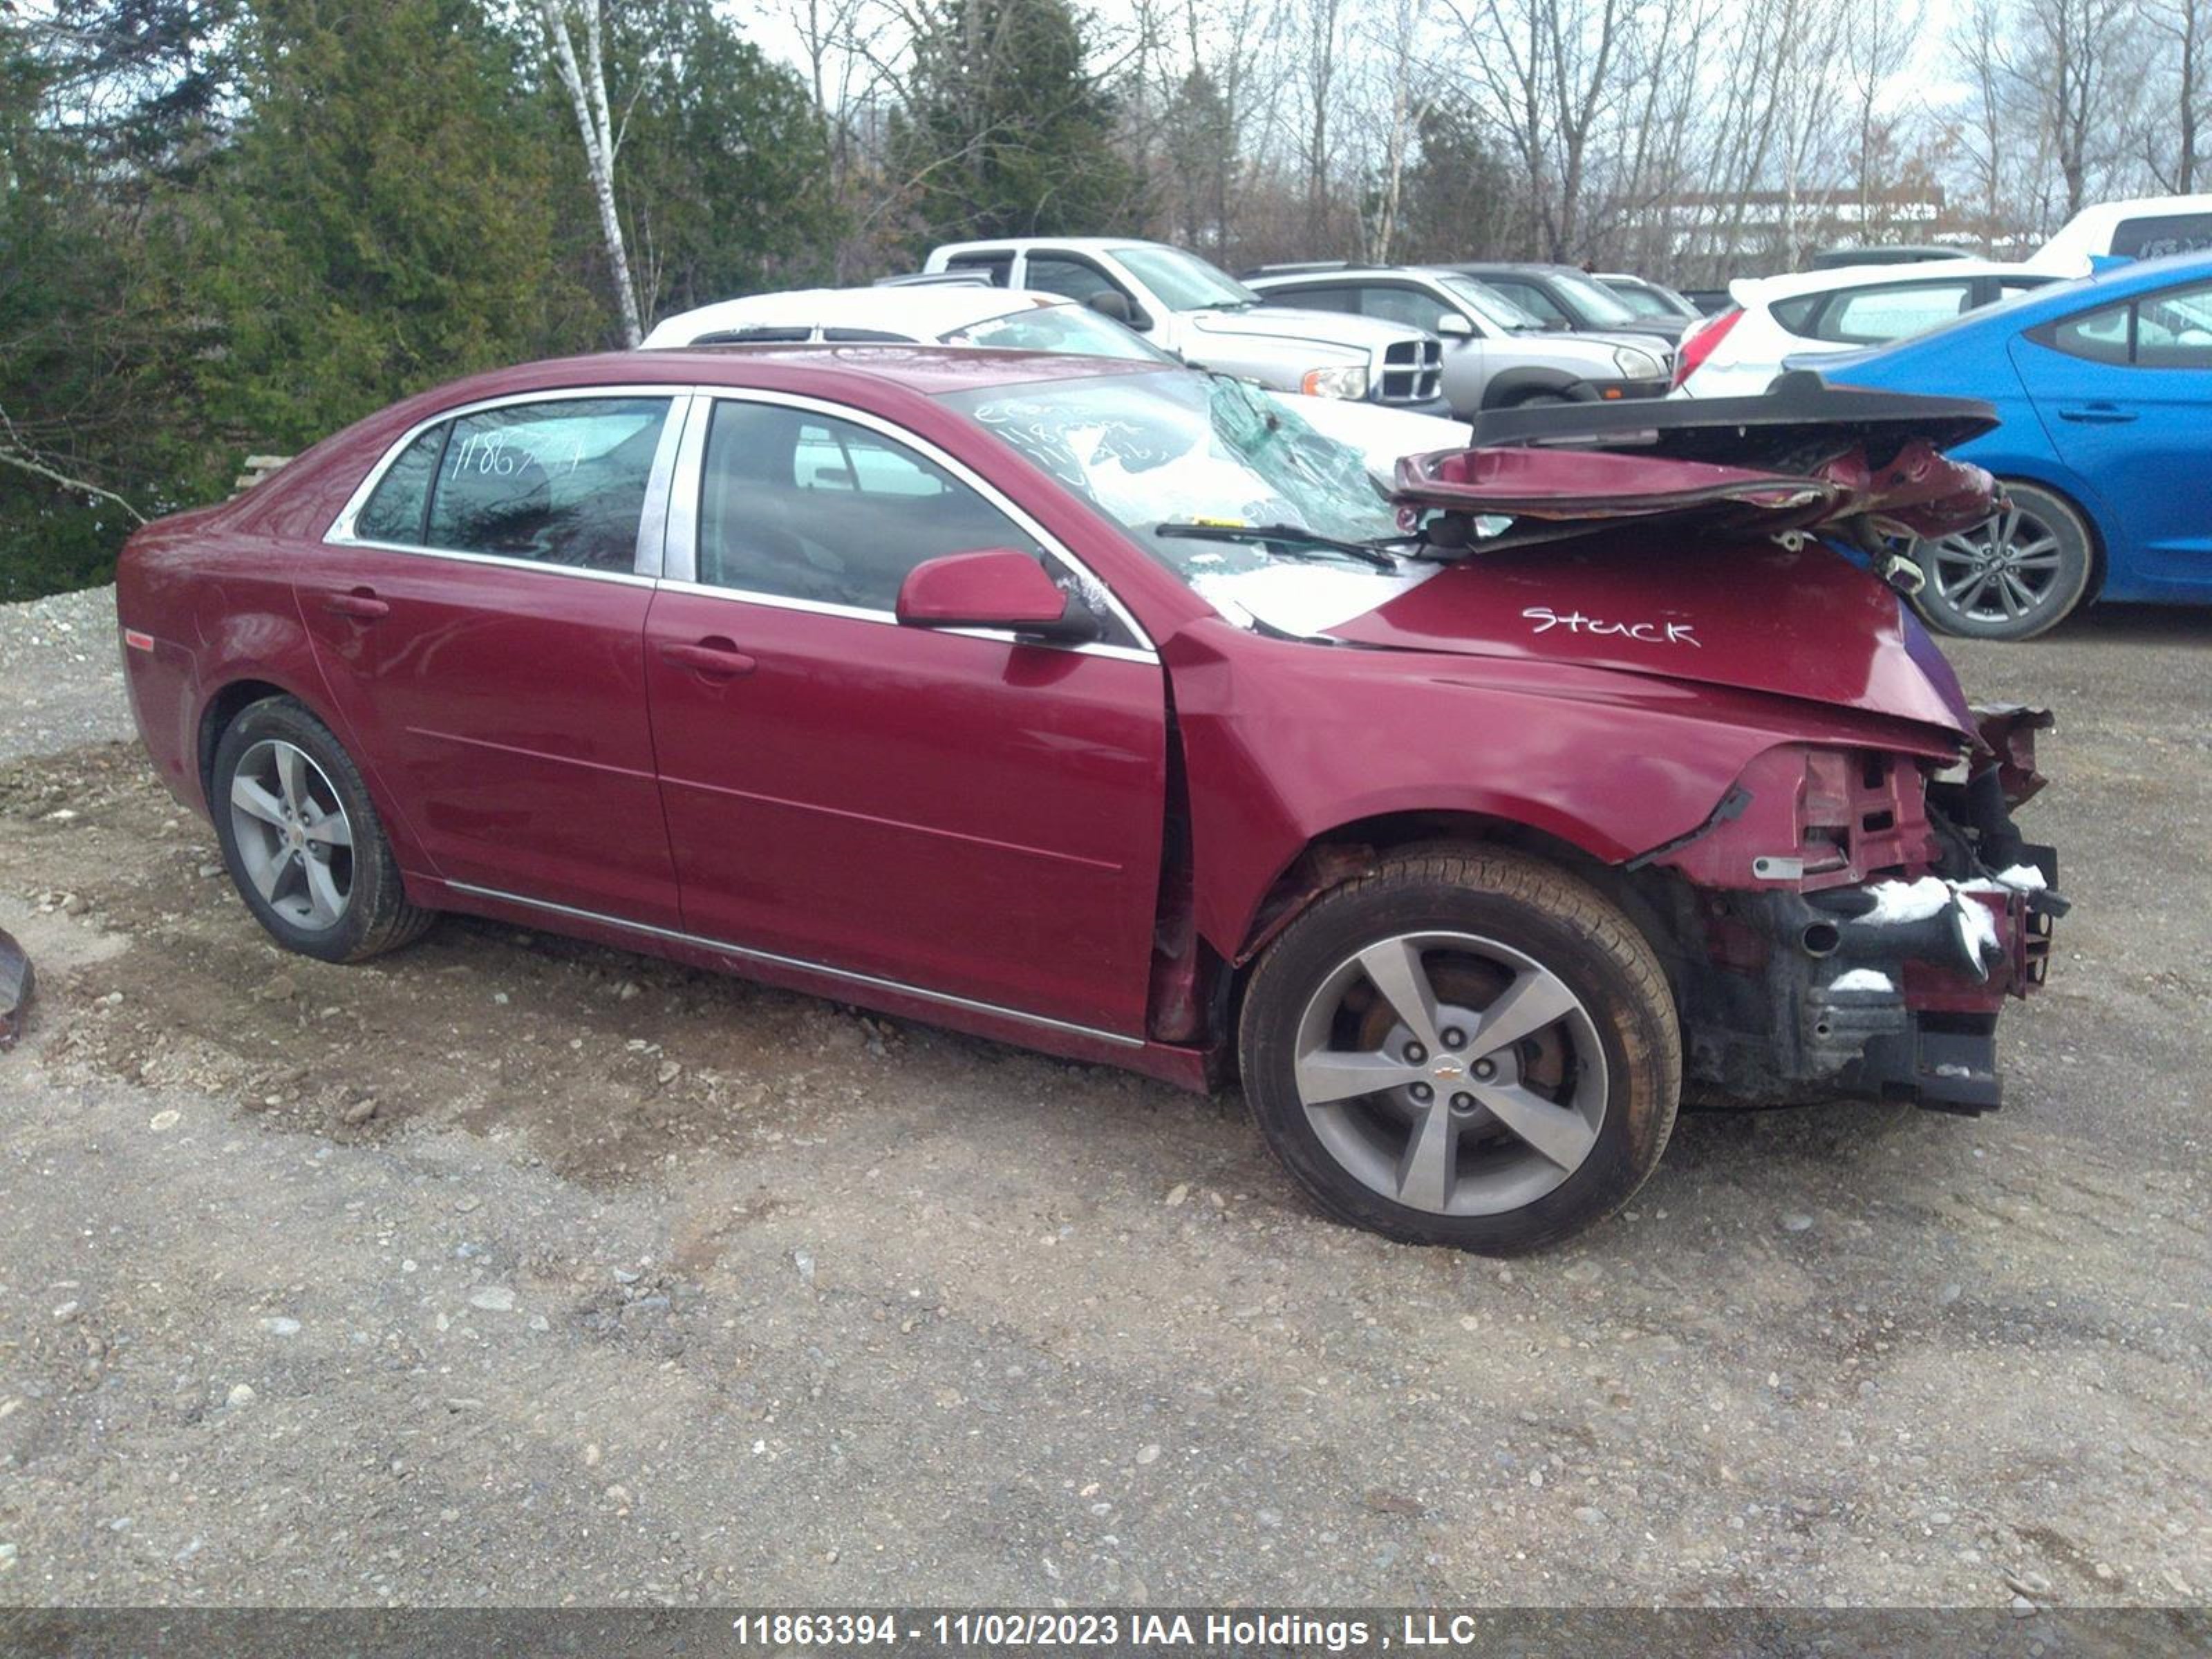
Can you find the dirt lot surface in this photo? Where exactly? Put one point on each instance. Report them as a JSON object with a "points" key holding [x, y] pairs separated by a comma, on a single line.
{"points": [[512, 1270]]}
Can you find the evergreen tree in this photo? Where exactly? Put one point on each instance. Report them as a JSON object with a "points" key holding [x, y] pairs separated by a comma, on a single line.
{"points": [[723, 170], [1004, 132], [386, 219]]}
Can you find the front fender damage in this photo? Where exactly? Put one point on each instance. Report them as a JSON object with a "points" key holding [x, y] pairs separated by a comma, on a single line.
{"points": [[1846, 925]]}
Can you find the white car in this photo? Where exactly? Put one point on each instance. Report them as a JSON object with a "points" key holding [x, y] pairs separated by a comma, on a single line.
{"points": [[1010, 319], [2146, 227], [1737, 353]]}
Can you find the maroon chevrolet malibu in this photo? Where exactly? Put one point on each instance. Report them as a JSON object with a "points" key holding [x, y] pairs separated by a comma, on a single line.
{"points": [[1106, 708]]}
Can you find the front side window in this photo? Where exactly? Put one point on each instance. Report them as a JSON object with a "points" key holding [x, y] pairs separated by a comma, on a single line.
{"points": [[558, 483], [803, 506], [1406, 306], [1533, 300], [1073, 279], [1870, 316]]}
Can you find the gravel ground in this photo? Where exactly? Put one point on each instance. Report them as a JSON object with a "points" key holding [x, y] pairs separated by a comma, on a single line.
{"points": [[60, 675], [510, 1269]]}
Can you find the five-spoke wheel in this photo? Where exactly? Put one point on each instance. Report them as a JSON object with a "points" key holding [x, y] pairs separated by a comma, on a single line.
{"points": [[1467, 1046], [293, 835], [2016, 573], [302, 838]]}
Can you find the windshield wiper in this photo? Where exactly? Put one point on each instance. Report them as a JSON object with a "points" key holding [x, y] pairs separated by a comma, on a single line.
{"points": [[1286, 537]]}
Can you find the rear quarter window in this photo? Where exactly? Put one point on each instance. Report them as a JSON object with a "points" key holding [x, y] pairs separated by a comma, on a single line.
{"points": [[2153, 235]]}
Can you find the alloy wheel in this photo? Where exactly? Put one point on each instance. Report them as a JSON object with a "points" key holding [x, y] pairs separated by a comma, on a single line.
{"points": [[293, 835], [2002, 571], [1451, 1073]]}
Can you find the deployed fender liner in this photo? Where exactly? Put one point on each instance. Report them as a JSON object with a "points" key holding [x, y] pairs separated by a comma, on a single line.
{"points": [[16, 982]]}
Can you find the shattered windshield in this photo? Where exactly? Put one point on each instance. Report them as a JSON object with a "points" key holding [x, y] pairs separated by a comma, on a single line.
{"points": [[1191, 450]]}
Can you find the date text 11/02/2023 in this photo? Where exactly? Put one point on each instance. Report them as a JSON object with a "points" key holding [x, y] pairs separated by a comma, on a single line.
{"points": [[1067, 1629]]}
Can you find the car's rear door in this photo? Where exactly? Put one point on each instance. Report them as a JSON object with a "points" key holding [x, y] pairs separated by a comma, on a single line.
{"points": [[478, 613], [955, 812], [2125, 393]]}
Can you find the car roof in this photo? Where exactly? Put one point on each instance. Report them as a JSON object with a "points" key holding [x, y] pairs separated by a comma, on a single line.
{"points": [[1531, 267], [1819, 282], [928, 371], [1333, 273], [1080, 244], [919, 314]]}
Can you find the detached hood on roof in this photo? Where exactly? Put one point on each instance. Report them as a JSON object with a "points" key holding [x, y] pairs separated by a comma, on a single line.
{"points": [[1681, 541]]}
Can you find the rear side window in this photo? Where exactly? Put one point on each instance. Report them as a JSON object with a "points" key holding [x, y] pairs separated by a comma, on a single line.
{"points": [[2173, 329], [1796, 314], [998, 267], [1315, 299], [2150, 237], [2100, 336], [560, 482], [397, 512], [1869, 316]]}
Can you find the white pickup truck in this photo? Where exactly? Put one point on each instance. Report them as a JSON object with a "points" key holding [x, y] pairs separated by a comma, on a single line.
{"points": [[1208, 319]]}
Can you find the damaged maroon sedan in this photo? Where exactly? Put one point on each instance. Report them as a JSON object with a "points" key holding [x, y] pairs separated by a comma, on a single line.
{"points": [[1104, 709]]}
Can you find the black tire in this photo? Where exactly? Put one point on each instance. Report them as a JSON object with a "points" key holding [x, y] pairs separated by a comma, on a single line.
{"points": [[376, 916], [1569, 936], [2018, 574], [1538, 400]]}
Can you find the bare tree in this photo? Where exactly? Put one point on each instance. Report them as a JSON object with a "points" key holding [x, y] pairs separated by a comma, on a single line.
{"points": [[585, 80], [2182, 25]]}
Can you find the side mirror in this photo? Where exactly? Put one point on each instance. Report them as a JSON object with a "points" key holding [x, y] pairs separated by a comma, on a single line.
{"points": [[1111, 302], [1452, 326], [996, 588]]}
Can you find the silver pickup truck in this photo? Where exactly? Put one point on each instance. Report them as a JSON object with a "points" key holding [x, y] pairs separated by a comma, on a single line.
{"points": [[1208, 318]]}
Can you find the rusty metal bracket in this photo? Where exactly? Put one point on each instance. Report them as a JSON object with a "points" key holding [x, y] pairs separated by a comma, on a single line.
{"points": [[16, 980]]}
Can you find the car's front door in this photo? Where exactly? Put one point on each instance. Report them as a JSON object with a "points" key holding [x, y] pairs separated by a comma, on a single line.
{"points": [[479, 618], [2124, 392], [957, 812]]}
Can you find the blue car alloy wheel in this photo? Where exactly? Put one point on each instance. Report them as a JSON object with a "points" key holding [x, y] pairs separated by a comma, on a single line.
{"points": [[2014, 576]]}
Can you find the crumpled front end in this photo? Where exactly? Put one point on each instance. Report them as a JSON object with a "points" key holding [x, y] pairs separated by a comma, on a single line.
{"points": [[1844, 924]]}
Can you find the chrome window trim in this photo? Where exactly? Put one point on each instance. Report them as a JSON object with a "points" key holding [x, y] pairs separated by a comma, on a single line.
{"points": [[681, 569], [889, 619], [340, 534], [847, 975], [499, 560]]}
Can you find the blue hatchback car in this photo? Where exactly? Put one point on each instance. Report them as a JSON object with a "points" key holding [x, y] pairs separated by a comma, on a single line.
{"points": [[2105, 390]]}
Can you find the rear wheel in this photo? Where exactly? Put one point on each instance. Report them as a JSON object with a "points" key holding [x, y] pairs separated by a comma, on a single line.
{"points": [[2016, 574], [302, 838], [1469, 1048]]}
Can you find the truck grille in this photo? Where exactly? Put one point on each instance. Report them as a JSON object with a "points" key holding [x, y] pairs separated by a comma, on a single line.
{"points": [[1413, 372]]}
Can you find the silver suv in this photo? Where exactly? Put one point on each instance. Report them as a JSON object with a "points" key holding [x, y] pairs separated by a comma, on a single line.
{"points": [[1496, 354], [1210, 320]]}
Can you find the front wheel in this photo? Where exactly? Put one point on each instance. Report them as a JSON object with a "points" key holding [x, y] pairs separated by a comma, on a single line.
{"points": [[1465, 1047], [2017, 574]]}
